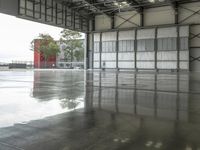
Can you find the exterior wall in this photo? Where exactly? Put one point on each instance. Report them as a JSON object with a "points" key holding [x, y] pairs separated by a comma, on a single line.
{"points": [[108, 55], [102, 22], [194, 43], [39, 61], [152, 48], [160, 17], [133, 16]]}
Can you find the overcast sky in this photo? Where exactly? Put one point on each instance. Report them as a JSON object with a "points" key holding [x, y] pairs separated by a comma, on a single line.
{"points": [[16, 35]]}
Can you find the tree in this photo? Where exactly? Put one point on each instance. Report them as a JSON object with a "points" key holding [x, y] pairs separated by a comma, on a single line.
{"points": [[48, 47], [73, 46]]}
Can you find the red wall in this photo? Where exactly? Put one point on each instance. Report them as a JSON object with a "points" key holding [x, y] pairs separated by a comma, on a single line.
{"points": [[39, 58]]}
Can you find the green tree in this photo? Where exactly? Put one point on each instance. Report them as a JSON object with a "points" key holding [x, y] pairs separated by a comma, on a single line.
{"points": [[48, 47], [73, 46]]}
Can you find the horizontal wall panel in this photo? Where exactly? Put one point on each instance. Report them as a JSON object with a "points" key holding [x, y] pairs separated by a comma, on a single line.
{"points": [[126, 56], [184, 31], [96, 37], [109, 36], [109, 46], [195, 40], [167, 65], [102, 22], [109, 64], [159, 16], [122, 16], [184, 43], [145, 65], [167, 44], [126, 45], [126, 65], [108, 56], [184, 65], [167, 32], [146, 34], [96, 56], [195, 64], [184, 55], [146, 56], [127, 35], [96, 64], [184, 13], [167, 55], [145, 45]]}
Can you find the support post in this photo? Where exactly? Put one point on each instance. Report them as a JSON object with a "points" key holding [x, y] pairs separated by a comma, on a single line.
{"points": [[178, 48], [156, 48], [141, 16], [113, 21], [100, 50], [93, 23], [87, 59], [117, 51], [176, 13], [135, 50]]}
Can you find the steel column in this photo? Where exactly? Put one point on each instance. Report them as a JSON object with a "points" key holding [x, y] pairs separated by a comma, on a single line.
{"points": [[141, 16], [117, 51], [87, 51], [178, 48], [135, 50], [100, 50], [156, 48]]}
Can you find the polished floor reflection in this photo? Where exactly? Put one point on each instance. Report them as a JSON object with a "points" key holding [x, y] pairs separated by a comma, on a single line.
{"points": [[28, 95], [99, 110]]}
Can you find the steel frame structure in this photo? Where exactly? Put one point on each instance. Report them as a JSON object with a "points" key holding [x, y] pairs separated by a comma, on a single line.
{"points": [[76, 14], [80, 15], [53, 12]]}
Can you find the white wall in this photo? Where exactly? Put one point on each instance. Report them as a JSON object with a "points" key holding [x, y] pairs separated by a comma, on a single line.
{"points": [[133, 21], [162, 16], [159, 16], [102, 22]]}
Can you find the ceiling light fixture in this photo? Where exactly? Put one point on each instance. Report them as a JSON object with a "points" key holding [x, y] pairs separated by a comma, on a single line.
{"points": [[152, 1]]}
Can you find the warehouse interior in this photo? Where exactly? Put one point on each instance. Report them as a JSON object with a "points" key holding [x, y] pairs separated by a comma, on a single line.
{"points": [[141, 85]]}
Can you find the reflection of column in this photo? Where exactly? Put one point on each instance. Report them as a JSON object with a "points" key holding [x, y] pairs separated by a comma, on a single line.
{"points": [[99, 90], [135, 93], [177, 96], [116, 92], [155, 95], [88, 91]]}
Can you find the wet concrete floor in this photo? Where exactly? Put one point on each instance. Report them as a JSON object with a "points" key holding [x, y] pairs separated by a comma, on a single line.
{"points": [[77, 110]]}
